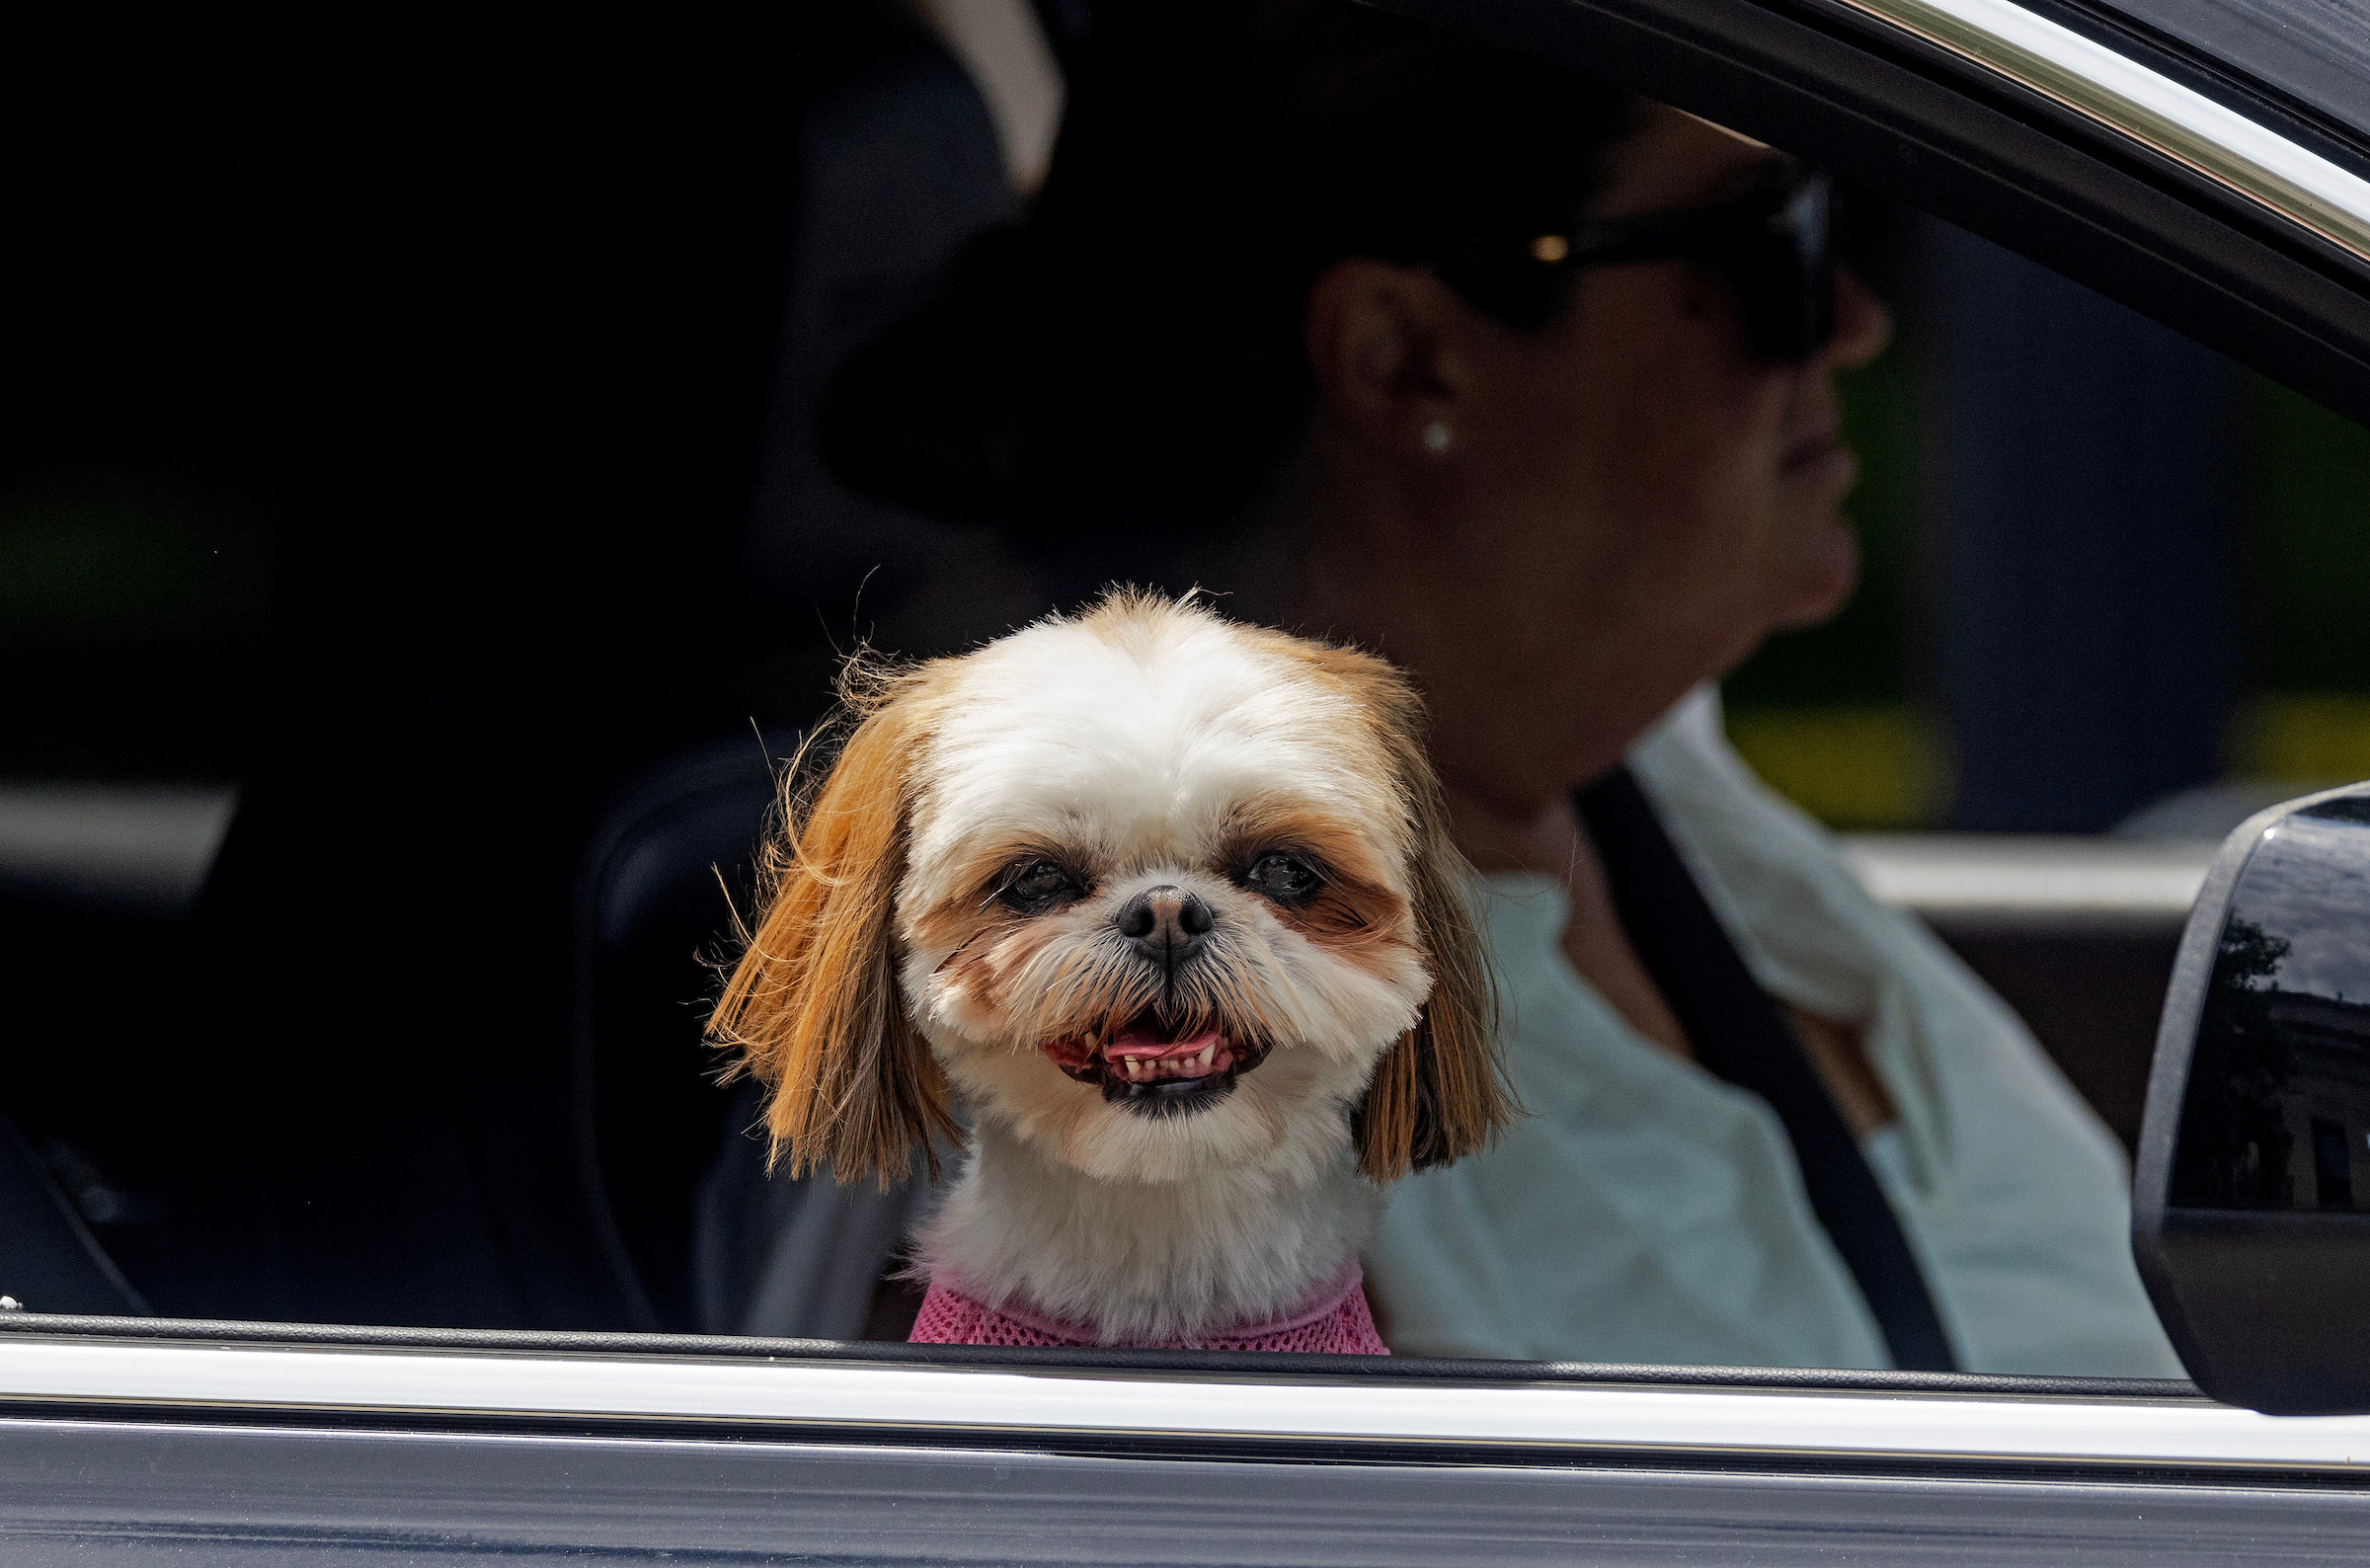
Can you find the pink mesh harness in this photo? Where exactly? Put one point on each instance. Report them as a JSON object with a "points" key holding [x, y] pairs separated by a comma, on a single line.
{"points": [[1339, 1324]]}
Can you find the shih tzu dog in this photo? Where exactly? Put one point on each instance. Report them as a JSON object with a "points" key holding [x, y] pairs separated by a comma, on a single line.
{"points": [[1169, 903]]}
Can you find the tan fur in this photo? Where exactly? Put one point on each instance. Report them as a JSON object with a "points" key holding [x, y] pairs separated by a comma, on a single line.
{"points": [[1439, 1093], [813, 1007], [1355, 909], [813, 1004]]}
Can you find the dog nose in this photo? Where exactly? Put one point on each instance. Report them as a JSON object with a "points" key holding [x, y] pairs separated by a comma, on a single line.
{"points": [[1165, 923]]}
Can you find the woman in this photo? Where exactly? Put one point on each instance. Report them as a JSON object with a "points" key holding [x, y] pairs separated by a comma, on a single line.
{"points": [[1529, 386]]}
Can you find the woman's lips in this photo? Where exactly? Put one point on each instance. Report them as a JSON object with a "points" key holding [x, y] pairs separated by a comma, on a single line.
{"points": [[1821, 455]]}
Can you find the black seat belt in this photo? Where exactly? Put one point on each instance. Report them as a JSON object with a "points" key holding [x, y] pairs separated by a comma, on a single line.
{"points": [[1740, 1035]]}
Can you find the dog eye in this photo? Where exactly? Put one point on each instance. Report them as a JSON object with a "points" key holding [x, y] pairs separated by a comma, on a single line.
{"points": [[1284, 878], [1036, 886]]}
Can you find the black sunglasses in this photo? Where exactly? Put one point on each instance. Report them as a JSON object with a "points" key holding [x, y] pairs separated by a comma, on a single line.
{"points": [[1775, 247]]}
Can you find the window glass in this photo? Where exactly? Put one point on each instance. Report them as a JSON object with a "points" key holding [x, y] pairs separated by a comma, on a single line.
{"points": [[424, 546], [2217, 661]]}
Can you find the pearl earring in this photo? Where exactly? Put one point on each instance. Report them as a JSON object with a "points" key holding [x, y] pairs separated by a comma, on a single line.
{"points": [[1436, 436]]}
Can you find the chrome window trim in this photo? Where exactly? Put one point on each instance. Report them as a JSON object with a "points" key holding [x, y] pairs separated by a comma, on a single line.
{"points": [[2047, 881], [2151, 109], [837, 1396]]}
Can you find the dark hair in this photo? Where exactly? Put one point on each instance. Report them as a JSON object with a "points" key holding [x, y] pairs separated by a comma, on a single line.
{"points": [[1138, 340]]}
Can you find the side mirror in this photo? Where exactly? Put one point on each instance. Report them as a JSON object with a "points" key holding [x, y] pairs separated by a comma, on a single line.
{"points": [[2250, 1204]]}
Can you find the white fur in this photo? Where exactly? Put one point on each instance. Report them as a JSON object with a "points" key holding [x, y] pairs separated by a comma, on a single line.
{"points": [[1143, 743], [1150, 1261], [1131, 739]]}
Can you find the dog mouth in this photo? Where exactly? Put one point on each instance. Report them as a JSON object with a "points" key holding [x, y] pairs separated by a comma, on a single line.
{"points": [[1158, 1069]]}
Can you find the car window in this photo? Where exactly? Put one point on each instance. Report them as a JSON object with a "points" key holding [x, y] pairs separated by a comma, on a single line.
{"points": [[2311, 51], [415, 629]]}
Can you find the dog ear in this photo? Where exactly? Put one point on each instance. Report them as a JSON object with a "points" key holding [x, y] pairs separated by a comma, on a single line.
{"points": [[1440, 1092], [813, 1006]]}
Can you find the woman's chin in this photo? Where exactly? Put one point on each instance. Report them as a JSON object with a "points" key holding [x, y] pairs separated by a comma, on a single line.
{"points": [[1824, 581]]}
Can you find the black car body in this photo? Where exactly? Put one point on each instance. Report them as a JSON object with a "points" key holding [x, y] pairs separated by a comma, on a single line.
{"points": [[2203, 162]]}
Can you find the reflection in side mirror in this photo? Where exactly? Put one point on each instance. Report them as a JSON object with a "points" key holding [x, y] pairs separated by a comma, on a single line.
{"points": [[2251, 1210]]}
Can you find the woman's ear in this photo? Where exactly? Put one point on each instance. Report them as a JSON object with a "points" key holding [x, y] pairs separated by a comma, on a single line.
{"points": [[1390, 349], [813, 1006]]}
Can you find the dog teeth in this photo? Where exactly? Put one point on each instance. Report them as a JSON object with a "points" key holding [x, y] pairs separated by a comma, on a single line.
{"points": [[1139, 1068]]}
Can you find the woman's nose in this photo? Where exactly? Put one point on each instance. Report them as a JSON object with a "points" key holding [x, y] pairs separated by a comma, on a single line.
{"points": [[1862, 323]]}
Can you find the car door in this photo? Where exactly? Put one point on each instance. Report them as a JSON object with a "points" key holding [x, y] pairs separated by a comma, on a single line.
{"points": [[2184, 160]]}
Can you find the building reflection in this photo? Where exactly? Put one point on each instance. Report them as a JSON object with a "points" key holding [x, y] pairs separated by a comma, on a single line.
{"points": [[2276, 1114]]}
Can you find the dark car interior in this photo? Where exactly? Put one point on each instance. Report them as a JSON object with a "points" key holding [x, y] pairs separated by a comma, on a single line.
{"points": [[530, 542], [436, 475]]}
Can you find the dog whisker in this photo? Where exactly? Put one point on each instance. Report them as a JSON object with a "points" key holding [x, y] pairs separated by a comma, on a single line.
{"points": [[1094, 878]]}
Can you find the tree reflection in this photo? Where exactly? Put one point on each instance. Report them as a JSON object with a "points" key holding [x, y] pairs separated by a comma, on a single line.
{"points": [[2235, 1143]]}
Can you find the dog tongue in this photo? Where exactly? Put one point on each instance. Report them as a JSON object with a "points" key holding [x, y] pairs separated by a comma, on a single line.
{"points": [[1140, 1041]]}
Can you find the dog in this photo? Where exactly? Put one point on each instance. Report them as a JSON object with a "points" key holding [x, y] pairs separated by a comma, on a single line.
{"points": [[1169, 903]]}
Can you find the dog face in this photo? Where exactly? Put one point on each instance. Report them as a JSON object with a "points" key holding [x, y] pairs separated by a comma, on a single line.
{"points": [[1157, 902], [1151, 889]]}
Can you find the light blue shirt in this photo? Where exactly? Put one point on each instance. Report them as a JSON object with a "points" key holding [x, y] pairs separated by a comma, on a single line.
{"points": [[1645, 1210]]}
